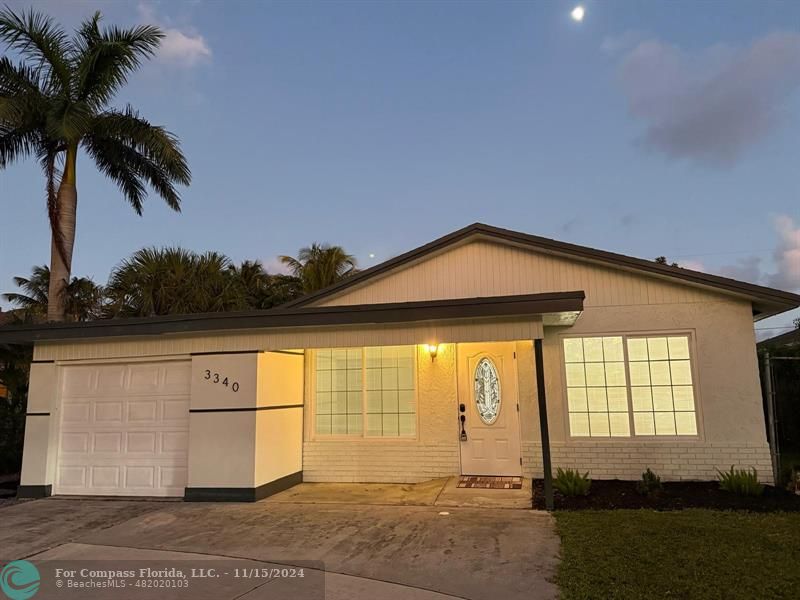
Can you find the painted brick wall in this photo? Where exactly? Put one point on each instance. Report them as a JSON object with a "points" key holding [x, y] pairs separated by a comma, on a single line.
{"points": [[672, 462], [435, 452]]}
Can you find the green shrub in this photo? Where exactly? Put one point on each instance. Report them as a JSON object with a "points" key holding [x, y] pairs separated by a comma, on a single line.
{"points": [[740, 481], [649, 484], [572, 483]]}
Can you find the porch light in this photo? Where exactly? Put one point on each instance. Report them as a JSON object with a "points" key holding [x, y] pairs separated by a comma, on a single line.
{"points": [[433, 350]]}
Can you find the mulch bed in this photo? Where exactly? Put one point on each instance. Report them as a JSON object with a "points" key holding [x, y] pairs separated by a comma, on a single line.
{"points": [[677, 495], [490, 483]]}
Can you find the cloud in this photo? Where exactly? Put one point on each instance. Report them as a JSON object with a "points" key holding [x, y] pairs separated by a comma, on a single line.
{"points": [[693, 265], [785, 258], [745, 269], [185, 48], [709, 106], [274, 266], [786, 255], [614, 44]]}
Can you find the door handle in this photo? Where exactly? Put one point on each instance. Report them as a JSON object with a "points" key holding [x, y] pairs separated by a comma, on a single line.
{"points": [[463, 436]]}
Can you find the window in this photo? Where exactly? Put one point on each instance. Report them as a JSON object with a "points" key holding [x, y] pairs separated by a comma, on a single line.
{"points": [[647, 390], [366, 392], [662, 395], [597, 394]]}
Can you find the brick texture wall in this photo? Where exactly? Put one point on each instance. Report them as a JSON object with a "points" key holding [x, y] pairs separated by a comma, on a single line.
{"points": [[672, 462]]}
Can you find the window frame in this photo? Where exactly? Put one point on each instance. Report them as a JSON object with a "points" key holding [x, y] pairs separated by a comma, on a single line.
{"points": [[626, 335], [363, 437]]}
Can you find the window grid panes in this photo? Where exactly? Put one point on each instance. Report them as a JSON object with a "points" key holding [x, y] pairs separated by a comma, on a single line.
{"points": [[654, 393], [662, 396], [366, 392], [597, 395], [338, 391]]}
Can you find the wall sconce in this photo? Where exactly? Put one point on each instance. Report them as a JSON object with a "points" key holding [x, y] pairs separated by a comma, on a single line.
{"points": [[433, 350]]}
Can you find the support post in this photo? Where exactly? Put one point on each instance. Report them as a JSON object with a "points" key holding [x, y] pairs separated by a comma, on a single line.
{"points": [[772, 428], [542, 398]]}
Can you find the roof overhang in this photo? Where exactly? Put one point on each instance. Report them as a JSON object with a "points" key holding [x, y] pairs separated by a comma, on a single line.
{"points": [[560, 308]]}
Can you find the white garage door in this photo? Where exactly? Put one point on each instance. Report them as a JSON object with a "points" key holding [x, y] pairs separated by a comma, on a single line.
{"points": [[124, 429]]}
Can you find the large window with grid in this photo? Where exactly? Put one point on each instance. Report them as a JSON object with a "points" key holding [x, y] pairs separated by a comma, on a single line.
{"points": [[618, 386], [365, 392]]}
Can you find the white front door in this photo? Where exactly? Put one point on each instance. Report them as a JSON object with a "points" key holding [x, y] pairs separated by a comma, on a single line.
{"points": [[487, 392], [124, 429]]}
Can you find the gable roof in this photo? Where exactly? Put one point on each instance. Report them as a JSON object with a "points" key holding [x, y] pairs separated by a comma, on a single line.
{"points": [[766, 301]]}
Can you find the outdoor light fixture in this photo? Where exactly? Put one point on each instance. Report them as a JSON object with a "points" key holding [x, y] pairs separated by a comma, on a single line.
{"points": [[433, 350]]}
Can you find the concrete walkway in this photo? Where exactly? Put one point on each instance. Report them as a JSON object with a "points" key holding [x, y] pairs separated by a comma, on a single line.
{"points": [[436, 492], [366, 551]]}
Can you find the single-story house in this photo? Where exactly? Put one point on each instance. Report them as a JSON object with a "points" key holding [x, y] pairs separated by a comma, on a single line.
{"points": [[480, 353]]}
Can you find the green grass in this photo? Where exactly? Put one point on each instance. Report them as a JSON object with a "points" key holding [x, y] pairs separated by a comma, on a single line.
{"points": [[682, 554]]}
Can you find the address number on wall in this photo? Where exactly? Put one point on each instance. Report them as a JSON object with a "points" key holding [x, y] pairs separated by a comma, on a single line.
{"points": [[221, 380]]}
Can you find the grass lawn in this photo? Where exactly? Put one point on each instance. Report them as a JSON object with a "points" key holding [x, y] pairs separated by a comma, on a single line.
{"points": [[681, 554]]}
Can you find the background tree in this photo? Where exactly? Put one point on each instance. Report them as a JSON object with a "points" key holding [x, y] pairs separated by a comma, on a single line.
{"points": [[320, 265], [83, 298], [262, 290], [56, 101], [172, 281]]}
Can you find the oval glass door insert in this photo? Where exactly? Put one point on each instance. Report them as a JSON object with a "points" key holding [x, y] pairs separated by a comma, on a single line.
{"points": [[487, 391]]}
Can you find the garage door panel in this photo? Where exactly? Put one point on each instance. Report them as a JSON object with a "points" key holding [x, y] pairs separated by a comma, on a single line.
{"points": [[107, 442], [72, 476], [139, 442], [176, 377], [144, 379], [140, 476], [127, 436], [108, 412], [105, 476], [175, 442], [77, 412], [170, 477], [75, 442], [142, 411], [110, 380], [80, 381], [174, 409]]}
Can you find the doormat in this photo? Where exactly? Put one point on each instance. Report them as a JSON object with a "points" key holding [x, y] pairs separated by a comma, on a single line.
{"points": [[490, 483]]}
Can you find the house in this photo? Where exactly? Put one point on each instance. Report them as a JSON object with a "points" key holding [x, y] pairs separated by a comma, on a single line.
{"points": [[480, 353], [790, 339]]}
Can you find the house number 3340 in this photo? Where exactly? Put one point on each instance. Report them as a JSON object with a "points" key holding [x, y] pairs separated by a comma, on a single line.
{"points": [[217, 378]]}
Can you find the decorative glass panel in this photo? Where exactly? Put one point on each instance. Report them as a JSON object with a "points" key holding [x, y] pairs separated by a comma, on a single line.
{"points": [[487, 391]]}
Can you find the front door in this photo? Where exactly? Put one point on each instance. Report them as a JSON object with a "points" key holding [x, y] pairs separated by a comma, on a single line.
{"points": [[488, 400]]}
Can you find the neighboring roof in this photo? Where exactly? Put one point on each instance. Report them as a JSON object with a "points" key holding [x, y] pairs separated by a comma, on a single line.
{"points": [[401, 312], [766, 301], [790, 338]]}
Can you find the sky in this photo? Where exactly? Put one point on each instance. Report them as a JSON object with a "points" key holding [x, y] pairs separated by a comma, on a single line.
{"points": [[649, 128]]}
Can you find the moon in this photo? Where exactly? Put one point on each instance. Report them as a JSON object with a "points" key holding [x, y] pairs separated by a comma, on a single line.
{"points": [[578, 13]]}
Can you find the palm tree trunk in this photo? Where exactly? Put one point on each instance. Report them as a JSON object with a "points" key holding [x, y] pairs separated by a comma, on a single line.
{"points": [[61, 253]]}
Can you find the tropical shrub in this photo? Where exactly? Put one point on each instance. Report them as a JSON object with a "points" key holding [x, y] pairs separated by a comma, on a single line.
{"points": [[740, 481], [649, 484], [571, 483]]}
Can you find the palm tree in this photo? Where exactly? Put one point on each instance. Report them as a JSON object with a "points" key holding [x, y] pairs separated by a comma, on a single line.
{"points": [[320, 265], [262, 290], [171, 281], [83, 298], [57, 100]]}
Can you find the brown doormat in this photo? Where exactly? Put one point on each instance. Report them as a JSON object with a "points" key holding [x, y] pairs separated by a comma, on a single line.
{"points": [[490, 483]]}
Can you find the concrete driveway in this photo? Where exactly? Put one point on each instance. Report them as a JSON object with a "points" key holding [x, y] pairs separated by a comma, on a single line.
{"points": [[365, 551]]}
